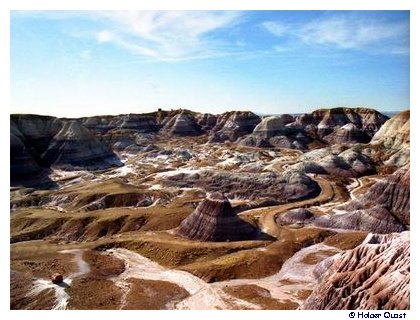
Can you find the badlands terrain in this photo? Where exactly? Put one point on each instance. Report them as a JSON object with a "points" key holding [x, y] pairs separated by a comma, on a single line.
{"points": [[183, 210]]}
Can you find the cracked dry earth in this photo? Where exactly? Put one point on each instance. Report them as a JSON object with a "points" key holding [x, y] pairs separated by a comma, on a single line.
{"points": [[267, 230]]}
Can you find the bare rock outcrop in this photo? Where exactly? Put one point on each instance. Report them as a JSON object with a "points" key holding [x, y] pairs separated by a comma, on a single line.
{"points": [[376, 219], [206, 121], [384, 208], [331, 124], [144, 123], [374, 275], [22, 163], [74, 146], [256, 187], [349, 133], [368, 120], [392, 142], [123, 131], [181, 124], [215, 220], [273, 126], [395, 133], [60, 143], [274, 131], [295, 216], [335, 161], [232, 125]]}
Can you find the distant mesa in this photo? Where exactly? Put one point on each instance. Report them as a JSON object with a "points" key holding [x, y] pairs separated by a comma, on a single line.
{"points": [[275, 131], [143, 123], [182, 124], [320, 128], [215, 220], [41, 141], [232, 125], [366, 119]]}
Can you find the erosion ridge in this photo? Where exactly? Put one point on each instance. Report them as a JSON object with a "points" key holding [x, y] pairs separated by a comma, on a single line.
{"points": [[375, 275]]}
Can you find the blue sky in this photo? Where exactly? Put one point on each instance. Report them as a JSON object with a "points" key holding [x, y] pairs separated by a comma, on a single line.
{"points": [[67, 63]]}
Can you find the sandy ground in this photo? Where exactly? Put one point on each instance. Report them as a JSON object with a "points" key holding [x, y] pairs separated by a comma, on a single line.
{"points": [[202, 294]]}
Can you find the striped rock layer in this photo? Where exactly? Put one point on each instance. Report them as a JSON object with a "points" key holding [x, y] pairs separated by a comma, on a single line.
{"points": [[374, 275], [215, 220]]}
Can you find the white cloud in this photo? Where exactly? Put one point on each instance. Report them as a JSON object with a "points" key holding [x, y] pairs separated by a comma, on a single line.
{"points": [[167, 35], [351, 33], [276, 28], [347, 32], [104, 36]]}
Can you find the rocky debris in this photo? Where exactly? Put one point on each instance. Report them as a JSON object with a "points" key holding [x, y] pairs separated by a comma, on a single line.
{"points": [[298, 216], [57, 278], [373, 276], [215, 220], [232, 125]]}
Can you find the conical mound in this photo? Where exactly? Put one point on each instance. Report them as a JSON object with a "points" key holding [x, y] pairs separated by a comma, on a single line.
{"points": [[215, 220]]}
